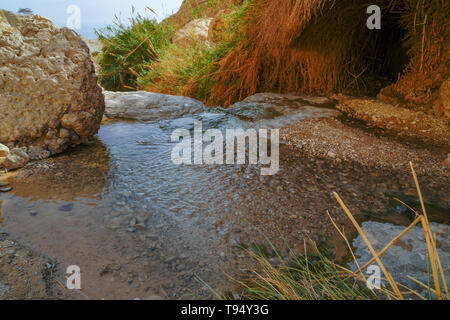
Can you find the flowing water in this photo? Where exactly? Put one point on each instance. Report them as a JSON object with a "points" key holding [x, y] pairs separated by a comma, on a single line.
{"points": [[140, 226]]}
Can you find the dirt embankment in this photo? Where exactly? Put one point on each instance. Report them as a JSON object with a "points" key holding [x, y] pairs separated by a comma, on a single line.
{"points": [[397, 121], [330, 138], [24, 274]]}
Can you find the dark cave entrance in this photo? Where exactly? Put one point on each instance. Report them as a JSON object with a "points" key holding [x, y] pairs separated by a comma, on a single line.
{"points": [[383, 57]]}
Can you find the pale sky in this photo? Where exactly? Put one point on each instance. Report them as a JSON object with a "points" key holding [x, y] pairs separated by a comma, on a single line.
{"points": [[94, 13]]}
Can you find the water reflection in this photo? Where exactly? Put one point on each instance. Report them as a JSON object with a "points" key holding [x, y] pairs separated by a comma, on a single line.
{"points": [[79, 173]]}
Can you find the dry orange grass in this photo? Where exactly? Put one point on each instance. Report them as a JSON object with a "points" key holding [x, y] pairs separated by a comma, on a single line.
{"points": [[321, 46]]}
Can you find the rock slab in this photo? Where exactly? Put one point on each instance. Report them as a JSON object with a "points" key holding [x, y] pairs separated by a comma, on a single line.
{"points": [[148, 106], [408, 257]]}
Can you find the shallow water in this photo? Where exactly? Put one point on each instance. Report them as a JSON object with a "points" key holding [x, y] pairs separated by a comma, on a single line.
{"points": [[139, 225]]}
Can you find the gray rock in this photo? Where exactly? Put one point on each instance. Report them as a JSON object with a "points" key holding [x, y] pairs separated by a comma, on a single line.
{"points": [[282, 109], [408, 257], [66, 207], [147, 106]]}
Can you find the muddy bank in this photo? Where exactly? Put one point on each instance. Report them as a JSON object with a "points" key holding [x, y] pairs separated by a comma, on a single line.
{"points": [[24, 274]]}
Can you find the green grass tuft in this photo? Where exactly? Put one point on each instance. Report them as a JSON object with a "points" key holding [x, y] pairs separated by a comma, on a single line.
{"points": [[128, 48]]}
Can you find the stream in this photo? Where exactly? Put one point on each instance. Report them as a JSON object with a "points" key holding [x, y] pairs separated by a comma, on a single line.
{"points": [[140, 226]]}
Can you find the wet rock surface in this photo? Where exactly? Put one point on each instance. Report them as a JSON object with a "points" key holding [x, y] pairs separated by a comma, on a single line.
{"points": [[286, 108], [49, 96], [146, 106], [408, 257]]}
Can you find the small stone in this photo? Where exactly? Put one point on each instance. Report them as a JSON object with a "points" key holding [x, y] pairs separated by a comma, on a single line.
{"points": [[66, 207], [33, 213], [152, 237], [17, 158], [170, 259], [4, 150], [181, 267]]}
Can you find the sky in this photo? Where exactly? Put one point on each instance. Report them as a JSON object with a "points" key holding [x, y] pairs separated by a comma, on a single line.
{"points": [[93, 13]]}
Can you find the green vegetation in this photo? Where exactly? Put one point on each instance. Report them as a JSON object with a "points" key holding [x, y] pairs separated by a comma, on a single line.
{"points": [[128, 49], [283, 46], [142, 56], [190, 69]]}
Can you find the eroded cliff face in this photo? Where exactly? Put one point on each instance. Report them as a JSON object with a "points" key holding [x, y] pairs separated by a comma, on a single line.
{"points": [[49, 96]]}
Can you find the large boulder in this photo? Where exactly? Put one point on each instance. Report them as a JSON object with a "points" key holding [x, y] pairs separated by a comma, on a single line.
{"points": [[49, 96]]}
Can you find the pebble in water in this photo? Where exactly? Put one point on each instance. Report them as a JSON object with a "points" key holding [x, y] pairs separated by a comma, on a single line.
{"points": [[66, 207], [5, 188], [33, 213]]}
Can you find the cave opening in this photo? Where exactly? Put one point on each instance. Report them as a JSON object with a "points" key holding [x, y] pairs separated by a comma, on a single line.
{"points": [[383, 57]]}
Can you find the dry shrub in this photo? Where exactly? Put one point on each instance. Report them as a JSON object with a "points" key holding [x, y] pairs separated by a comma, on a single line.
{"points": [[321, 46], [428, 39]]}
